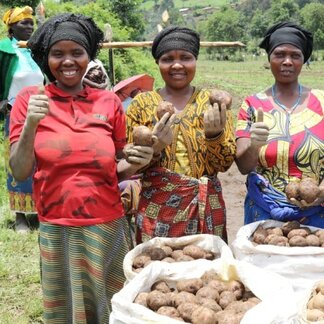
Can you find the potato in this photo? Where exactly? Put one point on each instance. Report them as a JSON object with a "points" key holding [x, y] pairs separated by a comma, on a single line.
{"points": [[168, 311], [275, 230], [209, 255], [217, 284], [186, 309], [299, 232], [156, 299], [210, 303], [292, 190], [259, 235], [208, 292], [312, 240], [314, 315], [298, 241], [189, 285], [185, 258], [167, 250], [155, 253], [168, 259], [203, 315], [228, 317], [226, 297], [164, 107], [176, 254], [308, 190], [219, 96], [320, 287], [184, 297], [288, 226], [194, 251], [274, 239], [318, 302], [162, 286], [140, 260], [209, 275], [237, 288], [141, 299], [142, 135]]}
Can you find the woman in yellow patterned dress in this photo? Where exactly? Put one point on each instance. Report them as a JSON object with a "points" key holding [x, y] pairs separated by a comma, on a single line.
{"points": [[288, 144], [180, 191]]}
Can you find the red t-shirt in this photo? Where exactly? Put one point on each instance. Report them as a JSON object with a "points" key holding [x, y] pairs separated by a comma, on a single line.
{"points": [[75, 181]]}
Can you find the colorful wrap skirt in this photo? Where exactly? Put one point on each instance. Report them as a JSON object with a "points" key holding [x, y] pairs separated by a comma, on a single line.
{"points": [[265, 202], [173, 205], [20, 193], [81, 269]]}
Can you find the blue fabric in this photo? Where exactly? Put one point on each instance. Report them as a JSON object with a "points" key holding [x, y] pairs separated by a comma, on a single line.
{"points": [[264, 202]]}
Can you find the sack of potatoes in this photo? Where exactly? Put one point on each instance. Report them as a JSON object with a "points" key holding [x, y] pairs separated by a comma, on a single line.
{"points": [[312, 309], [173, 250], [291, 233], [209, 292]]}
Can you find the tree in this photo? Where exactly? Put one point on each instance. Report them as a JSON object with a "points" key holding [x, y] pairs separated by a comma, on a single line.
{"points": [[259, 24], [19, 3], [283, 10], [312, 18]]}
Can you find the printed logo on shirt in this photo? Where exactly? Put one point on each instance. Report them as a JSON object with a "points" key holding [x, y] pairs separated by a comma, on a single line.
{"points": [[101, 117]]}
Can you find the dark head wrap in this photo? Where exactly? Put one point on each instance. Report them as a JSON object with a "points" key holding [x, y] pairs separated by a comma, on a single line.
{"points": [[74, 27], [175, 38], [288, 33]]}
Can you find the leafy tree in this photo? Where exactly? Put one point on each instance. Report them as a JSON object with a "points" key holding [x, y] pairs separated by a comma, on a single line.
{"points": [[312, 18], [259, 24], [282, 10]]}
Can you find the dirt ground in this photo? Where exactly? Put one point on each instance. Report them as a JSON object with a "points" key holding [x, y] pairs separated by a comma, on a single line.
{"points": [[233, 184]]}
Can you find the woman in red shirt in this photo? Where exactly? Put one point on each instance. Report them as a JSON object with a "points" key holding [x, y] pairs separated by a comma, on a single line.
{"points": [[73, 135]]}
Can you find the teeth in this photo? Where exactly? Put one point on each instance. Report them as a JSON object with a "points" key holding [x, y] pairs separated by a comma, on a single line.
{"points": [[69, 73]]}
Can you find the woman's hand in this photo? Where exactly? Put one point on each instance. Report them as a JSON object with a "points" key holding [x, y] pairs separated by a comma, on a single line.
{"points": [[259, 131], [214, 120], [38, 108], [163, 133], [138, 155]]}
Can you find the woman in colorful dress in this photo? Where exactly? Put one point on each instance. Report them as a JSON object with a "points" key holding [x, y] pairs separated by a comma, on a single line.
{"points": [[73, 134], [18, 70], [280, 133], [181, 193]]}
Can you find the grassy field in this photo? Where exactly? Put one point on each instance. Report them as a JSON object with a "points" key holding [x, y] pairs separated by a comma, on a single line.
{"points": [[20, 293], [147, 5]]}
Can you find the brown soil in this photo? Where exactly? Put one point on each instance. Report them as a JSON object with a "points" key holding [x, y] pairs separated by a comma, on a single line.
{"points": [[233, 184]]}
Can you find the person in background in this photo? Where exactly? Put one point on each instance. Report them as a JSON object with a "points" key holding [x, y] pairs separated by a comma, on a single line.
{"points": [[280, 133], [193, 145], [73, 135], [17, 70]]}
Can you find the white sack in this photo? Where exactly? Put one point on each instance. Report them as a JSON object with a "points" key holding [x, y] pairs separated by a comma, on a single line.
{"points": [[303, 266], [206, 241], [278, 305]]}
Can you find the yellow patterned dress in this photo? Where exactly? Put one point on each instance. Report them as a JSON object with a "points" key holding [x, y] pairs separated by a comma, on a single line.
{"points": [[190, 154]]}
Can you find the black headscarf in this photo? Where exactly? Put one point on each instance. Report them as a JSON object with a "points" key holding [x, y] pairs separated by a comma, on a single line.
{"points": [[288, 33], [175, 38], [74, 27]]}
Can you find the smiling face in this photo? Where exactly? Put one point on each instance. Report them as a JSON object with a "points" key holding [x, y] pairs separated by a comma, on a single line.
{"points": [[286, 62], [68, 63], [177, 68], [23, 29]]}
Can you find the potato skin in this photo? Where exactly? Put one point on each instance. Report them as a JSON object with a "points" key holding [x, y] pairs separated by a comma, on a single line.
{"points": [[168, 311], [140, 260], [194, 251], [288, 226], [308, 190], [292, 190], [186, 309], [156, 299], [162, 286], [141, 299], [203, 315], [164, 107], [259, 235], [297, 240], [219, 96], [142, 135], [312, 240], [189, 285]]}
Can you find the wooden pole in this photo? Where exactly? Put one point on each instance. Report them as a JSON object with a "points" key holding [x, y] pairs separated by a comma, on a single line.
{"points": [[149, 44]]}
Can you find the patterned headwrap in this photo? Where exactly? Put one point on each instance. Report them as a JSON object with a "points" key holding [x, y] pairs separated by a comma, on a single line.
{"points": [[75, 27], [17, 14], [288, 33], [175, 38]]}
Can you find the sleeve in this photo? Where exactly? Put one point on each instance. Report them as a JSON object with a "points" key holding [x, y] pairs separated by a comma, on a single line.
{"points": [[245, 119], [222, 149], [119, 134], [18, 115]]}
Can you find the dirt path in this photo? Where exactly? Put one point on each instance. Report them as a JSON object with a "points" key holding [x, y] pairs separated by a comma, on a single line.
{"points": [[233, 184]]}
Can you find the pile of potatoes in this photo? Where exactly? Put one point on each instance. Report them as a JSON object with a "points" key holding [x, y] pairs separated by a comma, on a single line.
{"points": [[306, 189], [205, 300], [170, 254], [289, 234], [315, 305]]}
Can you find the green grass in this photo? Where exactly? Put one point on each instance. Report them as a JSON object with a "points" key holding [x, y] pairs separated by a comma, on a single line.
{"points": [[147, 5], [20, 292]]}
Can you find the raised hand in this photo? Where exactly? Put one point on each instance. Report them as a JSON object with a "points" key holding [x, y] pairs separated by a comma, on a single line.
{"points": [[163, 132], [214, 120], [38, 107], [259, 131], [138, 155]]}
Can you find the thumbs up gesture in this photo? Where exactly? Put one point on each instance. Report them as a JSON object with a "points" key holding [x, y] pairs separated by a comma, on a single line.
{"points": [[259, 131], [38, 107]]}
